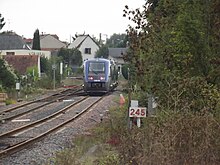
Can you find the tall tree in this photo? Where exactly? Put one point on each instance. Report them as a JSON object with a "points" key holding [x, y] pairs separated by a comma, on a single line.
{"points": [[7, 75], [36, 40], [2, 23], [117, 41], [44, 64], [171, 47], [102, 52], [71, 56]]}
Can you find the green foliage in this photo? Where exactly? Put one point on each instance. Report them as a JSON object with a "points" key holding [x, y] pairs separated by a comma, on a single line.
{"points": [[2, 23], [187, 94], [44, 64], [102, 52], [71, 56], [170, 46], [10, 101], [109, 160], [36, 40], [7, 76], [117, 41], [169, 138], [45, 83], [86, 151], [32, 72], [125, 71], [172, 137]]}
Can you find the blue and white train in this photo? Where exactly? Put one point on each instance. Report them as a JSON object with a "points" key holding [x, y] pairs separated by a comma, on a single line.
{"points": [[100, 75]]}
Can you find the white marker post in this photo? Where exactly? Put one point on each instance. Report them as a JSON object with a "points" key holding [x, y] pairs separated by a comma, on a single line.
{"points": [[18, 87], [61, 71], [138, 112]]}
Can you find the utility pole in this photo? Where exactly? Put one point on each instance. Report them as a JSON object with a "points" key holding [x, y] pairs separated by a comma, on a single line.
{"points": [[129, 99]]}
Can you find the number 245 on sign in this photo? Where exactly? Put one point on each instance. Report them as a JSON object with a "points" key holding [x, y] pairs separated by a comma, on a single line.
{"points": [[137, 112]]}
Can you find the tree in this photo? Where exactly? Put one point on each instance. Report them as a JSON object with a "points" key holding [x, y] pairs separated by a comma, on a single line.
{"points": [[102, 52], [44, 64], [117, 41], [36, 41], [71, 56], [7, 76], [2, 23], [76, 57], [172, 47]]}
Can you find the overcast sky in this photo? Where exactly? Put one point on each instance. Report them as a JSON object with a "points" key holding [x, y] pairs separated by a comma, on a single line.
{"points": [[66, 17]]}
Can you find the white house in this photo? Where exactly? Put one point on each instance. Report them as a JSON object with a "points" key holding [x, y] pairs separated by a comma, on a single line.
{"points": [[86, 45]]}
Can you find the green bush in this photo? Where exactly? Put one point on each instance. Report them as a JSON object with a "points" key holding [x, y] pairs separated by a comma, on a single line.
{"points": [[169, 138], [10, 101], [124, 71], [46, 83]]}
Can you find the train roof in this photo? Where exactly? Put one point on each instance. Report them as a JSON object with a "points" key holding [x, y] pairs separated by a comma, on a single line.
{"points": [[100, 59]]}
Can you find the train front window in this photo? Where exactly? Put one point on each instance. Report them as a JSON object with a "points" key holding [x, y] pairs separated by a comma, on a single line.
{"points": [[96, 67]]}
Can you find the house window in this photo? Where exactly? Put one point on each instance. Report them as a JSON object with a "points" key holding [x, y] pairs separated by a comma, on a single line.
{"points": [[87, 50]]}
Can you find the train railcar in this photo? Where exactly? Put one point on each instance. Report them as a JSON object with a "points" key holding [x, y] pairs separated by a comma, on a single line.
{"points": [[100, 75]]}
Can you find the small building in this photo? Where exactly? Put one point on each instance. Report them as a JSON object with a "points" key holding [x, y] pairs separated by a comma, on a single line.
{"points": [[46, 54], [22, 62], [86, 45], [117, 55]]}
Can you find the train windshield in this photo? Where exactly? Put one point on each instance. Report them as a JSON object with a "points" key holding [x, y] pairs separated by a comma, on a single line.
{"points": [[96, 67]]}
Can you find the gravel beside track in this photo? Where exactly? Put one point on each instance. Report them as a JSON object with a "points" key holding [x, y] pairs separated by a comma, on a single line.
{"points": [[42, 151]]}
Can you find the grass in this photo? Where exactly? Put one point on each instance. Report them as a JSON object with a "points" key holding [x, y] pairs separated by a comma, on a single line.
{"points": [[169, 138], [172, 137], [72, 81], [87, 150]]}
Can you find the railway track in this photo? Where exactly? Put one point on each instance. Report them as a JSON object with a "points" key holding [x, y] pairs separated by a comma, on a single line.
{"points": [[22, 109], [18, 138]]}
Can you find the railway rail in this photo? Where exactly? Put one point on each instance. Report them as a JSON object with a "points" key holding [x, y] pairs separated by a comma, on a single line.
{"points": [[22, 109], [18, 138]]}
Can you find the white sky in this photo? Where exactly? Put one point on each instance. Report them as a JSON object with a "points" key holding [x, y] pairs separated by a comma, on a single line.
{"points": [[66, 17]]}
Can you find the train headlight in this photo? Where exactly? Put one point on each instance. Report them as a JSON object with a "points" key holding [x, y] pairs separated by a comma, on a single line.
{"points": [[102, 78], [90, 78]]}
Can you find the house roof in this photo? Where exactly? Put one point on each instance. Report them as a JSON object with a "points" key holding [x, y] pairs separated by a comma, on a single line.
{"points": [[79, 40], [50, 42], [11, 41], [53, 35], [117, 52], [21, 62]]}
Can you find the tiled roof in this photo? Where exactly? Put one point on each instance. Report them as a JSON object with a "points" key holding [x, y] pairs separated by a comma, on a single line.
{"points": [[21, 62], [53, 35], [117, 52], [79, 40], [11, 41]]}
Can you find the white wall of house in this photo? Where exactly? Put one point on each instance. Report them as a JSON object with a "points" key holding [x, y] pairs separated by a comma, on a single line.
{"points": [[41, 53], [86, 45]]}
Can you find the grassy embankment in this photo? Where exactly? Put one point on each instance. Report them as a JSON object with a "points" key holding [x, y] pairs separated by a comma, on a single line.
{"points": [[172, 137]]}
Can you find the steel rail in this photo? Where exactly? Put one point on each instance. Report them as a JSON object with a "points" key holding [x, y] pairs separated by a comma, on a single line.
{"points": [[35, 108], [16, 148], [14, 131], [38, 100]]}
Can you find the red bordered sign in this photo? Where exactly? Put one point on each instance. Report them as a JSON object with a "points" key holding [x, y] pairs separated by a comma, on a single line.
{"points": [[137, 111]]}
